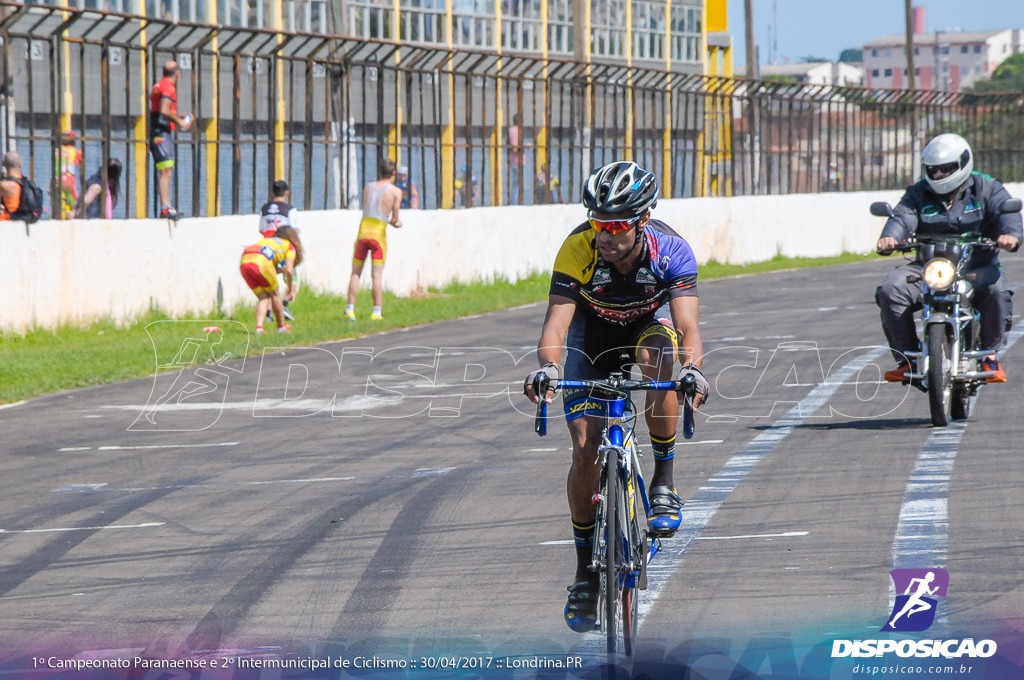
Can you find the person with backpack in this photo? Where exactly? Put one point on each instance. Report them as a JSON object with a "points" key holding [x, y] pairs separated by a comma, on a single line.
{"points": [[20, 198]]}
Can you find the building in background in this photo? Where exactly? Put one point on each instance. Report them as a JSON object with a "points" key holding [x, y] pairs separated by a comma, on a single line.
{"points": [[943, 60], [642, 32], [812, 73]]}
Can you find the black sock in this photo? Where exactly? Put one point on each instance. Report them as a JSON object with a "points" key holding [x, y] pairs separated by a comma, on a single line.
{"points": [[584, 539], [664, 449]]}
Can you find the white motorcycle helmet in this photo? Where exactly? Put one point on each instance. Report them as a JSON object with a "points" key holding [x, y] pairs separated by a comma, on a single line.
{"points": [[947, 162]]}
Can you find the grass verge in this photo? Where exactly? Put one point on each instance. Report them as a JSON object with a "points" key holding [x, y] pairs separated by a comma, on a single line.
{"points": [[44, 361]]}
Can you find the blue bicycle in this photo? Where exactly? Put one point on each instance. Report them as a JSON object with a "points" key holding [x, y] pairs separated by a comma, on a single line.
{"points": [[623, 545]]}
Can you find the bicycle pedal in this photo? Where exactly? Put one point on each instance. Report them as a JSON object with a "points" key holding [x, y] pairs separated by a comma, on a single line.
{"points": [[662, 533]]}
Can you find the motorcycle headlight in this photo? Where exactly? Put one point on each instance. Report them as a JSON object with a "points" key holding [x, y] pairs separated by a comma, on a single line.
{"points": [[939, 274]]}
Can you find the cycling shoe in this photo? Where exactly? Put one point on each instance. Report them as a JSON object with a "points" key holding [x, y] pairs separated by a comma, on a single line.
{"points": [[666, 515], [581, 608]]}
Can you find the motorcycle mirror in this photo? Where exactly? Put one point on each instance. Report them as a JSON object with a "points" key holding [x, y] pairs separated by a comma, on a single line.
{"points": [[1011, 205], [883, 209]]}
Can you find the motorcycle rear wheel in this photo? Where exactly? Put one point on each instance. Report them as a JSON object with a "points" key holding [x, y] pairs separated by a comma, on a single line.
{"points": [[960, 408]]}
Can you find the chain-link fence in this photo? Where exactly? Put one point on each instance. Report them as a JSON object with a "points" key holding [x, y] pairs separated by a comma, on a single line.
{"points": [[474, 128]]}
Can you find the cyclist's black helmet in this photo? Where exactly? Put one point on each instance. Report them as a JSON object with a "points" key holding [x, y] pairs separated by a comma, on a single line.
{"points": [[621, 188]]}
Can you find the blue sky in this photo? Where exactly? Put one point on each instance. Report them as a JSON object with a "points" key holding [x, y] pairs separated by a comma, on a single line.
{"points": [[823, 28]]}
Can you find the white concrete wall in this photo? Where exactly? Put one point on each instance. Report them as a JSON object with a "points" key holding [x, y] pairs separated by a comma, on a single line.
{"points": [[78, 271]]}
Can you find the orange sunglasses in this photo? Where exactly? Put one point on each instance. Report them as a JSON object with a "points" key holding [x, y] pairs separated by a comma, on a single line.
{"points": [[613, 226]]}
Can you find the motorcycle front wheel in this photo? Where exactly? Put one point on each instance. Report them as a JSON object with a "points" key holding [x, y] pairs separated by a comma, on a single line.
{"points": [[940, 383]]}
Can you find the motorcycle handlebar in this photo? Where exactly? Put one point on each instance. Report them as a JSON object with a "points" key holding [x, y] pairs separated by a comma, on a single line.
{"points": [[909, 246]]}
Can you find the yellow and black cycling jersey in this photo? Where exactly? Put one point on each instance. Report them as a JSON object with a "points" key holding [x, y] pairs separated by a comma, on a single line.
{"points": [[667, 268]]}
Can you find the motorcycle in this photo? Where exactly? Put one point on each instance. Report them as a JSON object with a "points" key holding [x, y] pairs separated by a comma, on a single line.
{"points": [[949, 360]]}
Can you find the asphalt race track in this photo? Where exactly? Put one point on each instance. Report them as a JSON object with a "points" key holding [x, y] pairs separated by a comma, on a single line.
{"points": [[387, 496]]}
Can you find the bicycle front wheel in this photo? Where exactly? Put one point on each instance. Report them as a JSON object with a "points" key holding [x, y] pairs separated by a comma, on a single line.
{"points": [[633, 508], [613, 524]]}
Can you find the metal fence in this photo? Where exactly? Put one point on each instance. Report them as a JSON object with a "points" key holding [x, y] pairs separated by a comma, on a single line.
{"points": [[320, 110]]}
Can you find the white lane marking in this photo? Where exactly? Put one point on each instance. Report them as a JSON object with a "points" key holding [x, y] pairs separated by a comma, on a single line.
{"points": [[104, 487], [565, 542], [80, 487], [697, 513], [12, 405], [785, 534], [143, 447], [702, 441], [109, 526], [541, 450], [354, 403], [922, 533], [922, 536], [432, 472]]}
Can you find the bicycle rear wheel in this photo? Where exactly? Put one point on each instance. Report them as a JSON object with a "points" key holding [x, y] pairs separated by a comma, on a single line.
{"points": [[612, 583]]}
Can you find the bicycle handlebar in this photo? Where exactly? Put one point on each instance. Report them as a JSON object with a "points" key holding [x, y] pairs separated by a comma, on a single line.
{"points": [[617, 389]]}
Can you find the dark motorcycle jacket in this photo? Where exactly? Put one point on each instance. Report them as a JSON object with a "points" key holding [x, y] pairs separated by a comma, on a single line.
{"points": [[975, 208]]}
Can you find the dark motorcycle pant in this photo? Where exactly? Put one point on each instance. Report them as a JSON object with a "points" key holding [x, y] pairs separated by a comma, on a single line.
{"points": [[898, 300]]}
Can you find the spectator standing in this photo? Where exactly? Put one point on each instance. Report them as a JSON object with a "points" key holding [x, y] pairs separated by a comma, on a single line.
{"points": [[10, 188], [410, 195], [833, 178], [515, 160], [274, 215], [163, 120], [68, 160], [108, 187], [546, 189], [467, 189], [381, 201], [278, 212]]}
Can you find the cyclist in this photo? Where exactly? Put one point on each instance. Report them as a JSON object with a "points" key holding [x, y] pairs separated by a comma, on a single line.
{"points": [[621, 281], [951, 200]]}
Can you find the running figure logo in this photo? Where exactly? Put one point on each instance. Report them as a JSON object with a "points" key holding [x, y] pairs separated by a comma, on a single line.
{"points": [[914, 610]]}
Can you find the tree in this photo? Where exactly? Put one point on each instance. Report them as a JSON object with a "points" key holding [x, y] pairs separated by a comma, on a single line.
{"points": [[851, 54], [1008, 77]]}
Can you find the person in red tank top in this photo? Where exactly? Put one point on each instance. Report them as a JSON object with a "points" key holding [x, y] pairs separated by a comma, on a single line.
{"points": [[163, 119]]}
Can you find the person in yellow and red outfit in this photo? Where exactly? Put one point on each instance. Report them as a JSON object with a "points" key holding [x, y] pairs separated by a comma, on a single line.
{"points": [[69, 162], [259, 266], [381, 201]]}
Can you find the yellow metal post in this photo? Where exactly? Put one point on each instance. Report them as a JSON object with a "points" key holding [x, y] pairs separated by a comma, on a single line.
{"points": [[666, 141], [279, 126], [141, 147], [497, 136], [718, 63], [395, 132], [541, 157], [448, 134], [628, 140], [212, 131]]}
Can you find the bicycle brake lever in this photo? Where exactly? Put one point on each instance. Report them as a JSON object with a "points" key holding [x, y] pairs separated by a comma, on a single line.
{"points": [[540, 423]]}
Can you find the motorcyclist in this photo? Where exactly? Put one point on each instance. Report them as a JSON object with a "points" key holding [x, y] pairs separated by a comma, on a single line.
{"points": [[951, 199]]}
